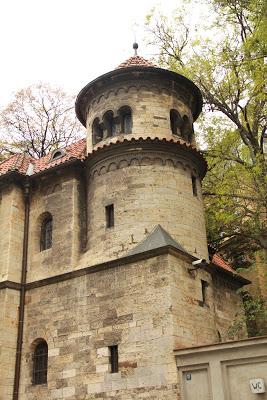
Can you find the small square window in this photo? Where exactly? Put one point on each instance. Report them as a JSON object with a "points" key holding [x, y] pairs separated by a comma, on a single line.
{"points": [[110, 216]]}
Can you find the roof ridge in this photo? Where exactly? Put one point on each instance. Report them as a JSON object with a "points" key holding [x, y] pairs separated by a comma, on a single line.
{"points": [[21, 161]]}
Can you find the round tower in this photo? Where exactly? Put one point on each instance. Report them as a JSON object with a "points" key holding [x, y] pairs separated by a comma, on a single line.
{"points": [[143, 166]]}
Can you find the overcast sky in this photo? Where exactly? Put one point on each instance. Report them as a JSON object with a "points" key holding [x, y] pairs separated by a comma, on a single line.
{"points": [[68, 42]]}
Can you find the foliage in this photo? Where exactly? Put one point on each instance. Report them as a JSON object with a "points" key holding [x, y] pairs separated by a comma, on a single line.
{"points": [[227, 63], [254, 317], [38, 120]]}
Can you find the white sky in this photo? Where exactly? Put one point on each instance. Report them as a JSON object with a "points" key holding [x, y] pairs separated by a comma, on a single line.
{"points": [[68, 43]]}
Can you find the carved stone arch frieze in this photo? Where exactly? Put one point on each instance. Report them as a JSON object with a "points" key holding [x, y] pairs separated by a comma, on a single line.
{"points": [[158, 161], [94, 173], [134, 162], [102, 170], [170, 162], [121, 90], [133, 159], [112, 167], [144, 87], [164, 90], [132, 88], [179, 164], [146, 160], [123, 164], [100, 98]]}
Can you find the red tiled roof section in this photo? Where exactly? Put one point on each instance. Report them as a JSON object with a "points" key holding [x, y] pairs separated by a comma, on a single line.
{"points": [[218, 260], [20, 162], [75, 150], [136, 61]]}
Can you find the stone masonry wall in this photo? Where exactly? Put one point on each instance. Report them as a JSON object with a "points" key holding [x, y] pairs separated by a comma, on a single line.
{"points": [[9, 302], [58, 195], [146, 189], [150, 104], [148, 308], [230, 318], [127, 305], [196, 323], [11, 233]]}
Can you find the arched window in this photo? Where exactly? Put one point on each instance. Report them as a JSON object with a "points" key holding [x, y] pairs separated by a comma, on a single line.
{"points": [[125, 115], [46, 232], [109, 124], [176, 122], [40, 358], [187, 129], [97, 131]]}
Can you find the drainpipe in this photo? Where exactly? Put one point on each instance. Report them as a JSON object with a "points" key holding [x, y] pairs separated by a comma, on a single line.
{"points": [[22, 290]]}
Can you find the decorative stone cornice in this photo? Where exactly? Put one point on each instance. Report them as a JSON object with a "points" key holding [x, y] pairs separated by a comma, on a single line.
{"points": [[135, 77], [146, 152]]}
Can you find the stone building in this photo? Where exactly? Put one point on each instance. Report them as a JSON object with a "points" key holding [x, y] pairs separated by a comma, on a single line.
{"points": [[104, 267]]}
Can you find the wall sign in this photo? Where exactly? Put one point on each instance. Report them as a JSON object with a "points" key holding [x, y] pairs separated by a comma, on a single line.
{"points": [[188, 376], [257, 385]]}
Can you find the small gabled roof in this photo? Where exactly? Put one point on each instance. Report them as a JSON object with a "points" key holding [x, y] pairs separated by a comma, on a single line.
{"points": [[156, 239]]}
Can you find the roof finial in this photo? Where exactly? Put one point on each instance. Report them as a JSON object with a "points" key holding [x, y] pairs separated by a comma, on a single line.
{"points": [[135, 47]]}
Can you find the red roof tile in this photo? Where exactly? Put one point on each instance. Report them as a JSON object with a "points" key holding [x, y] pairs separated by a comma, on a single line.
{"points": [[17, 162], [75, 150], [20, 162], [218, 260], [136, 61]]}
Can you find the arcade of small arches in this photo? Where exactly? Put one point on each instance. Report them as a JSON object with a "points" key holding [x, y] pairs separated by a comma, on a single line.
{"points": [[112, 124], [181, 126]]}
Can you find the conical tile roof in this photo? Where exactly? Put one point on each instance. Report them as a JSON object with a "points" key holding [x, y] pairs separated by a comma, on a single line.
{"points": [[136, 61]]}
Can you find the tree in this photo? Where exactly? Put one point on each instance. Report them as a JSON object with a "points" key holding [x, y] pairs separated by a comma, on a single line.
{"points": [[2, 151], [38, 120], [228, 66]]}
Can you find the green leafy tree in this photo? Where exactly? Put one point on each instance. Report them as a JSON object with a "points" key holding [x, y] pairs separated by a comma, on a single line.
{"points": [[227, 63]]}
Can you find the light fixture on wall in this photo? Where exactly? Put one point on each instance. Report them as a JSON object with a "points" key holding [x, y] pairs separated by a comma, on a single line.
{"points": [[200, 263]]}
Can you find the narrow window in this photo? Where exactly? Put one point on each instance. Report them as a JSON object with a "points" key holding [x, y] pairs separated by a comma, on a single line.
{"points": [[187, 129], [109, 124], [125, 115], [113, 359], [46, 233], [40, 358], [194, 185], [204, 286], [97, 132], [176, 122], [110, 216]]}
